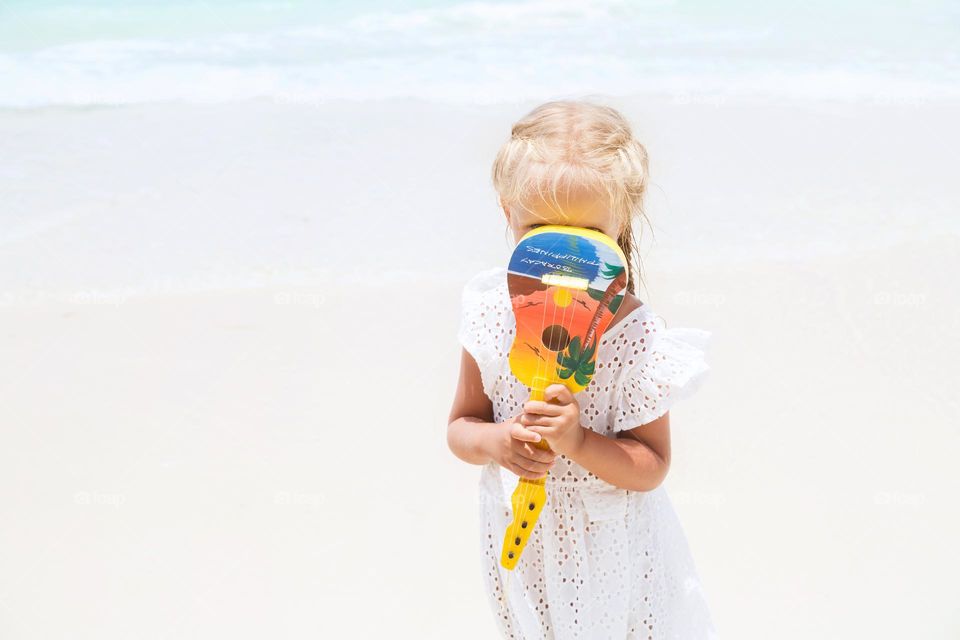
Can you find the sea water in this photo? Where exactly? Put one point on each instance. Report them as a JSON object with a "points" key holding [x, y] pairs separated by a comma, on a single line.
{"points": [[54, 52]]}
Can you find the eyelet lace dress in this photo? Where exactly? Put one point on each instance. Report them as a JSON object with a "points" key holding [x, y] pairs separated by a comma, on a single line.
{"points": [[602, 562]]}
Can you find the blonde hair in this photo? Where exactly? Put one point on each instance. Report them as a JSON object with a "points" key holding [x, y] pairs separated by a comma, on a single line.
{"points": [[577, 144]]}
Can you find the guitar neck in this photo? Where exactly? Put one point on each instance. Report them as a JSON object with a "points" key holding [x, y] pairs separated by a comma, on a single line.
{"points": [[540, 383]]}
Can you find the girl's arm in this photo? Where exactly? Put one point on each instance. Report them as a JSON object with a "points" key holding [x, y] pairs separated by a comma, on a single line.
{"points": [[471, 416], [473, 436], [638, 459], [468, 438]]}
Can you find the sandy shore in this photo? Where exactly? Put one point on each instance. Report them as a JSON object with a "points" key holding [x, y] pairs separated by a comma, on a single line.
{"points": [[266, 458]]}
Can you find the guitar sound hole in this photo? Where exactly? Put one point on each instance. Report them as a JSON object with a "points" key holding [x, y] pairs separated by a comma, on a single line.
{"points": [[555, 337]]}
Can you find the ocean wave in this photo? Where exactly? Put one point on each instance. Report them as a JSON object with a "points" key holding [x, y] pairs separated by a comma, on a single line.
{"points": [[476, 52]]}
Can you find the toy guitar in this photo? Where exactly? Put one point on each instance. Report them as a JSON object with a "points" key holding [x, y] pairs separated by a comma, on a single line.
{"points": [[565, 284]]}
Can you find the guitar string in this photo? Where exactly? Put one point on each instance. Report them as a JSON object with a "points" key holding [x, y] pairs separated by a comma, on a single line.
{"points": [[569, 307], [524, 487], [531, 487]]}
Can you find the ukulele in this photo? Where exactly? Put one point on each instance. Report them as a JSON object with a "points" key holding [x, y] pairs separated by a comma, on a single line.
{"points": [[565, 285]]}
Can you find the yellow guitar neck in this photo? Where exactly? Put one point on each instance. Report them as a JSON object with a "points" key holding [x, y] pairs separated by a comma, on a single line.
{"points": [[527, 501]]}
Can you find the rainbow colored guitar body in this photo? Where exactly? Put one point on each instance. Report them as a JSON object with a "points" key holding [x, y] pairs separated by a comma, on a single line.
{"points": [[565, 284]]}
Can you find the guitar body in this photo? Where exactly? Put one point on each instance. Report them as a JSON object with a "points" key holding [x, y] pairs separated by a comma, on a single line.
{"points": [[566, 285]]}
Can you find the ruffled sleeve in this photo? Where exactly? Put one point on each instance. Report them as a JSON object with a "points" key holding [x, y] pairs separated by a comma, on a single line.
{"points": [[486, 322], [673, 368]]}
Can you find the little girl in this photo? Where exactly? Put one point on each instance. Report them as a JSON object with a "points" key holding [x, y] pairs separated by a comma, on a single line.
{"points": [[607, 558]]}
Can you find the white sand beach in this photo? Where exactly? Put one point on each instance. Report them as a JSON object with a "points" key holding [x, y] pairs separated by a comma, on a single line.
{"points": [[229, 339]]}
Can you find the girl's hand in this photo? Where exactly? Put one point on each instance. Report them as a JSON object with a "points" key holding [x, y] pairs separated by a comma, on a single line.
{"points": [[513, 450], [557, 421]]}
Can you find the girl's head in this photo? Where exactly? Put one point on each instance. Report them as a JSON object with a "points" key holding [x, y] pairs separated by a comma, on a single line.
{"points": [[573, 163]]}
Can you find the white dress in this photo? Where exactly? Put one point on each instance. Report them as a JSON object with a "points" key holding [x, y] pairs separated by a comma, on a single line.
{"points": [[602, 562]]}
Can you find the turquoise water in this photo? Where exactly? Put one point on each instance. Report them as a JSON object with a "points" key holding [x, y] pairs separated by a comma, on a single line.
{"points": [[100, 52]]}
